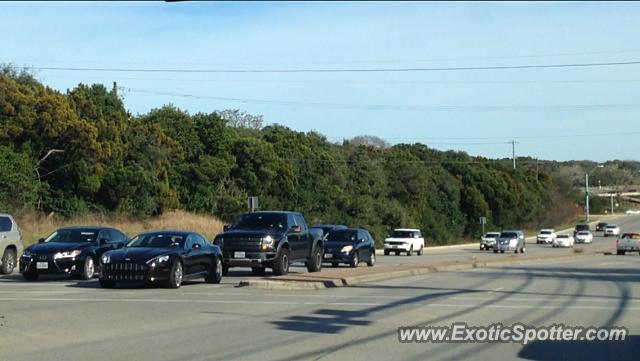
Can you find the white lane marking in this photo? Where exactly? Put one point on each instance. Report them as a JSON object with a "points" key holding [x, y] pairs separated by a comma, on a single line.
{"points": [[142, 300], [496, 290], [530, 307]]}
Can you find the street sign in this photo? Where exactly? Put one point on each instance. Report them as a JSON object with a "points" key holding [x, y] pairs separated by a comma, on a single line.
{"points": [[252, 203], [483, 220]]}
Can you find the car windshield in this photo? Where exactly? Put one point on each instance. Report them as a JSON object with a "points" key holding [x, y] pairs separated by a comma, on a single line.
{"points": [[545, 232], [634, 236], [492, 235], [583, 233], [612, 226], [342, 236], [261, 221], [582, 227], [73, 235], [563, 236], [158, 240], [508, 235], [402, 234]]}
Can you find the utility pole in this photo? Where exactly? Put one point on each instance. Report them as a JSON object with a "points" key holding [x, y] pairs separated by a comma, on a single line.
{"points": [[513, 149], [586, 192], [612, 204]]}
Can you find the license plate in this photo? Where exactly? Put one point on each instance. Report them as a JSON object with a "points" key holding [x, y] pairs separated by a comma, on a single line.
{"points": [[42, 265], [328, 255], [238, 254]]}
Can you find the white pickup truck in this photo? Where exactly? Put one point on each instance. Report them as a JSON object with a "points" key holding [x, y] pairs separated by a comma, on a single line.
{"points": [[628, 242]]}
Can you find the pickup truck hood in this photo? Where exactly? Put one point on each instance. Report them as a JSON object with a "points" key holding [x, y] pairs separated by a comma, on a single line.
{"points": [[138, 254], [241, 233], [54, 247]]}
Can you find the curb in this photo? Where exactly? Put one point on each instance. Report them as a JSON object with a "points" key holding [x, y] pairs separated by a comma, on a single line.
{"points": [[317, 284]]}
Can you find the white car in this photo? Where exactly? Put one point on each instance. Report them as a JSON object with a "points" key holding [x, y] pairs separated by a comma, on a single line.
{"points": [[488, 240], [629, 242], [404, 240], [584, 237], [611, 230], [546, 236], [633, 211], [563, 240]]}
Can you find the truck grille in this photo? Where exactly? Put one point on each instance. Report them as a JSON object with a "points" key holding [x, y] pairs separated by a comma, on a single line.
{"points": [[242, 243], [125, 271]]}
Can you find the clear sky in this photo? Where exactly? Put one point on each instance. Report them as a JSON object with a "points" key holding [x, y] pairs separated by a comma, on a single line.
{"points": [[463, 110]]}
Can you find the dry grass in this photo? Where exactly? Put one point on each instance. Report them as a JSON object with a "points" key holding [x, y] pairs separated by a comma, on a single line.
{"points": [[36, 225]]}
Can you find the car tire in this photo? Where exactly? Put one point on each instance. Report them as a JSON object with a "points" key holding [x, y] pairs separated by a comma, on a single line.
{"points": [[8, 262], [176, 275], [88, 269], [258, 271], [355, 260], [372, 258], [29, 276], [315, 263], [281, 263], [495, 251], [421, 251], [410, 251], [335, 264], [386, 253], [622, 253], [215, 273], [105, 283], [501, 251]]}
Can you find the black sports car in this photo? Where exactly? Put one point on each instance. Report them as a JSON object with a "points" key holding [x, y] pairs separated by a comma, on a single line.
{"points": [[167, 257], [72, 251]]}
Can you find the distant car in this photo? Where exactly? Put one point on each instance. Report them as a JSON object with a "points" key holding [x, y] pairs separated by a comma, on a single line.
{"points": [[600, 226], [351, 246], [633, 211], [580, 227], [510, 241], [564, 240], [629, 242], [168, 257], [611, 230], [488, 241], [404, 240], [326, 228], [10, 243], [584, 237], [74, 251], [546, 236]]}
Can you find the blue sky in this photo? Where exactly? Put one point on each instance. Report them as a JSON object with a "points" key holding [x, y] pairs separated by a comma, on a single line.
{"points": [[529, 103]]}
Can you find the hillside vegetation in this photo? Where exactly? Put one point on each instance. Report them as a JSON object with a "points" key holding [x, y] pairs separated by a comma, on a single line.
{"points": [[103, 160]]}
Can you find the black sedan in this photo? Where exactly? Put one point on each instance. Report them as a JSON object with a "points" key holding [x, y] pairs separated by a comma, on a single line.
{"points": [[351, 246], [73, 251], [162, 257]]}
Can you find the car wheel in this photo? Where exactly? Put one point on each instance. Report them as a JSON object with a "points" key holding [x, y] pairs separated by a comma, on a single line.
{"points": [[386, 253], [335, 264], [30, 276], [410, 251], [421, 250], [281, 263], [495, 251], [175, 278], [523, 249], [501, 251], [88, 269], [315, 263], [8, 262], [258, 271], [355, 260], [105, 283], [215, 273], [372, 259], [622, 253]]}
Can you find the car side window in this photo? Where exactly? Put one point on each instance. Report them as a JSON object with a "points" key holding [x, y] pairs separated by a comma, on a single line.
{"points": [[369, 238], [419, 234], [300, 222], [190, 242], [290, 221], [360, 235], [5, 224], [104, 234], [200, 240]]}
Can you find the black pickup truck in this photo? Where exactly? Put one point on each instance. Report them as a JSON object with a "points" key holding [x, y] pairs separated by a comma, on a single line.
{"points": [[269, 239]]}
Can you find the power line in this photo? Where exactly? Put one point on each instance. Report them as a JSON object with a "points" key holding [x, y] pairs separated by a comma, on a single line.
{"points": [[438, 108], [361, 70]]}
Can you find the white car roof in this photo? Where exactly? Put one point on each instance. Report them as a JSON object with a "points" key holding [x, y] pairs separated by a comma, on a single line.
{"points": [[407, 229]]}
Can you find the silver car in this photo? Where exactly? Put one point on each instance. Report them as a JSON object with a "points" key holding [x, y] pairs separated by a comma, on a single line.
{"points": [[10, 243], [510, 241]]}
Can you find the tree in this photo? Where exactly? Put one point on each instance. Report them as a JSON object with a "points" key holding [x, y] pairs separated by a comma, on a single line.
{"points": [[239, 119]]}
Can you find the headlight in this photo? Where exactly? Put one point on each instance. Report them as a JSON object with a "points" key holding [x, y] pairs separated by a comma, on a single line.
{"points": [[346, 249], [160, 259], [26, 253], [68, 254], [513, 241], [106, 258], [267, 241]]}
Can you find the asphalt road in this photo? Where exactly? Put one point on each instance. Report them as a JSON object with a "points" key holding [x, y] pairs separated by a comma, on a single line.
{"points": [[60, 319]]}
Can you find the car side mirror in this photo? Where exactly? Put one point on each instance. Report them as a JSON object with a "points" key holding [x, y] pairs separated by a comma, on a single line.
{"points": [[296, 229], [195, 246], [41, 240], [225, 227]]}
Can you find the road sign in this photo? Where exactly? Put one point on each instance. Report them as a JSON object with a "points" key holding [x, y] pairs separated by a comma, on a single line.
{"points": [[252, 203], [483, 220]]}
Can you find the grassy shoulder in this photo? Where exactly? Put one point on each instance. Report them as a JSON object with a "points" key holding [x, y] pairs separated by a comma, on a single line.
{"points": [[36, 225]]}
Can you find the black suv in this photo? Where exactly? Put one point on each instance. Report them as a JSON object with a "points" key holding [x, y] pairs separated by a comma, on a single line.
{"points": [[273, 240], [580, 228]]}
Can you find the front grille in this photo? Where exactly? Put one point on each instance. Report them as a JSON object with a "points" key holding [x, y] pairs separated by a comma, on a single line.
{"points": [[242, 243], [396, 243], [125, 271]]}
